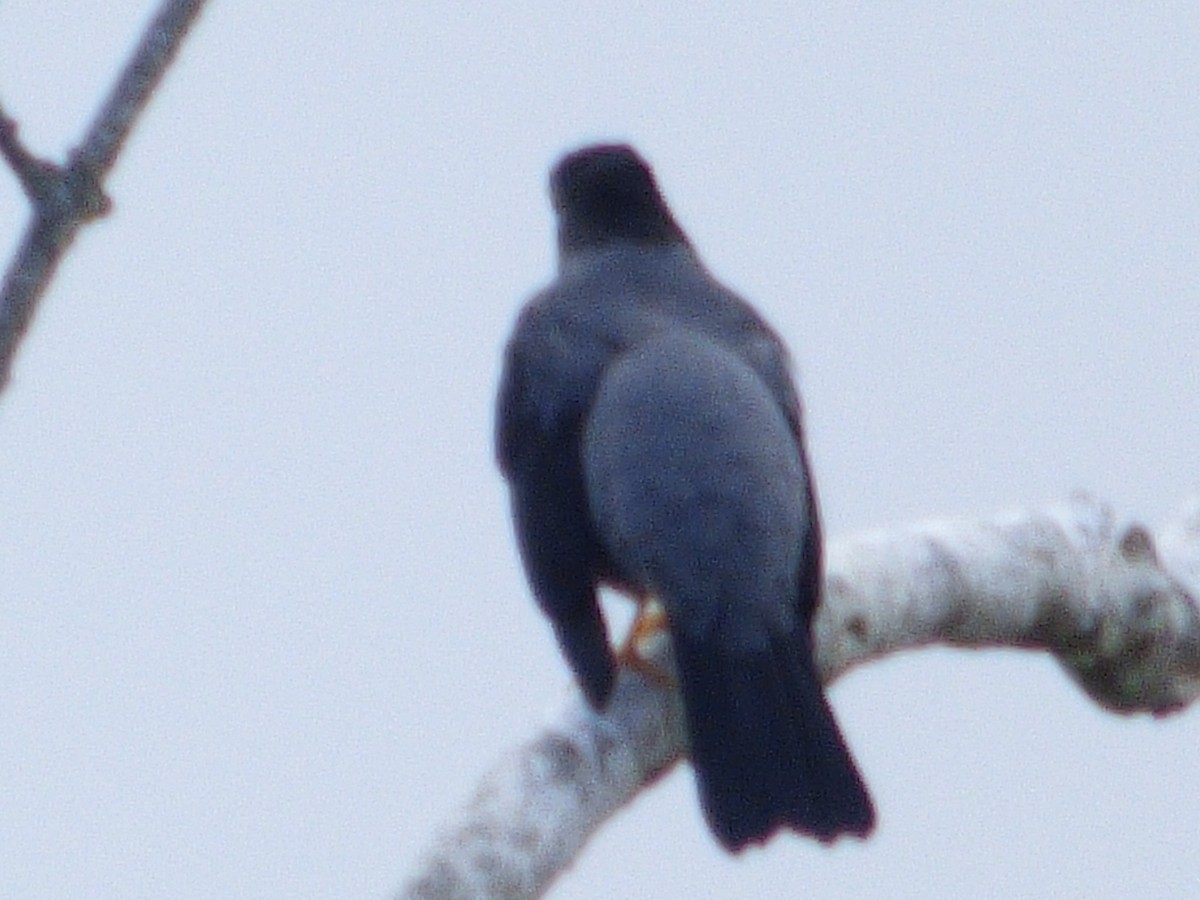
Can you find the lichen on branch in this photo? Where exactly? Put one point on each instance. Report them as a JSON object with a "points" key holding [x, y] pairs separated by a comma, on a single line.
{"points": [[1116, 605]]}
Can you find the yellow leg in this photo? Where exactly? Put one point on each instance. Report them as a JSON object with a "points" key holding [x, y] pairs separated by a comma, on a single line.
{"points": [[644, 650]]}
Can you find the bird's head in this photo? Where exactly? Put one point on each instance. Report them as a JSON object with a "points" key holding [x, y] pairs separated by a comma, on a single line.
{"points": [[606, 194]]}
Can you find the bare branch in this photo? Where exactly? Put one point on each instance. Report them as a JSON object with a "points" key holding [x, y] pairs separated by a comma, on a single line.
{"points": [[1118, 612], [66, 197], [1125, 624]]}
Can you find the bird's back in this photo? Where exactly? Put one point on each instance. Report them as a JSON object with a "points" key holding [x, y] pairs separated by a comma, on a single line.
{"points": [[607, 301]]}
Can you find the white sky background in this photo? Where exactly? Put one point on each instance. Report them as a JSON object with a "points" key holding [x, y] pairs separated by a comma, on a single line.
{"points": [[262, 625]]}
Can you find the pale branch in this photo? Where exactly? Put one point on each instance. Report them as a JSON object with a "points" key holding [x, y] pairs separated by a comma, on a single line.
{"points": [[1116, 607], [65, 197]]}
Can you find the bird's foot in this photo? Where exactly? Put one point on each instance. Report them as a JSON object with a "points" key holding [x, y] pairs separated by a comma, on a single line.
{"points": [[647, 646]]}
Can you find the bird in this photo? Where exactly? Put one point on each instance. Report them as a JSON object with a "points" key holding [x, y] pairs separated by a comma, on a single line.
{"points": [[652, 440]]}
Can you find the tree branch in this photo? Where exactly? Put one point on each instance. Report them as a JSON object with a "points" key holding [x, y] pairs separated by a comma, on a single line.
{"points": [[66, 197], [1120, 613]]}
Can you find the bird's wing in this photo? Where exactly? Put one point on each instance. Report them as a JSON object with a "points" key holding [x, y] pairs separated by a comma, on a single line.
{"points": [[539, 414], [762, 348]]}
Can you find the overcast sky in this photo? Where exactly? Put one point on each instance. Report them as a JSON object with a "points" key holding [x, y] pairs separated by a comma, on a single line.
{"points": [[262, 625]]}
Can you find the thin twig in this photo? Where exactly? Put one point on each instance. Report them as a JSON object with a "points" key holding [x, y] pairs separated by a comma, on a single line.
{"points": [[66, 197]]}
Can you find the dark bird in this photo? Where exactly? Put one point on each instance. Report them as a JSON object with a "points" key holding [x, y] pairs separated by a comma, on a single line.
{"points": [[652, 440]]}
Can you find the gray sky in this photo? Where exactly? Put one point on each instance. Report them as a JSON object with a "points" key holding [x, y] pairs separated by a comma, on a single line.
{"points": [[262, 625]]}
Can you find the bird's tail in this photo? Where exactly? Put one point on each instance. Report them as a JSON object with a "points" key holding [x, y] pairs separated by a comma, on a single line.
{"points": [[765, 747]]}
